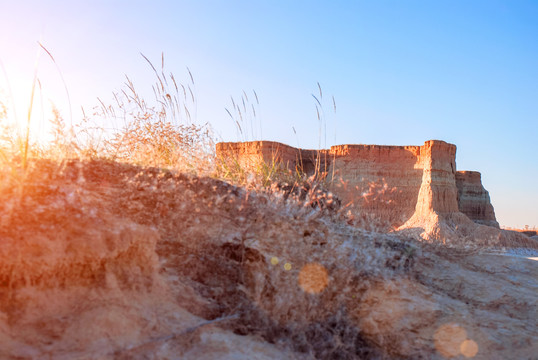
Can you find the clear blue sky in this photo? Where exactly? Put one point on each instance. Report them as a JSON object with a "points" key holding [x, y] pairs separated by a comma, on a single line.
{"points": [[401, 72]]}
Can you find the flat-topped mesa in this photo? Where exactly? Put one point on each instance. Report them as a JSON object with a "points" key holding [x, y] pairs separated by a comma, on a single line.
{"points": [[392, 182], [252, 154], [473, 199]]}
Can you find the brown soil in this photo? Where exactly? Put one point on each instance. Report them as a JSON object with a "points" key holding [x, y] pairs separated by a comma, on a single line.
{"points": [[106, 260]]}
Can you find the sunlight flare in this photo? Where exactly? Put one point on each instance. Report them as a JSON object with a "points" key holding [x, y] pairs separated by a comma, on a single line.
{"points": [[313, 278]]}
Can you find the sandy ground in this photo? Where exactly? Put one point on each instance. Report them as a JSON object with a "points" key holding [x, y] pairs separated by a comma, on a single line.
{"points": [[108, 261]]}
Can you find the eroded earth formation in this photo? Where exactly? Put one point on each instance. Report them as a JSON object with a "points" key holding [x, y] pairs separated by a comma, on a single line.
{"points": [[103, 260], [411, 188]]}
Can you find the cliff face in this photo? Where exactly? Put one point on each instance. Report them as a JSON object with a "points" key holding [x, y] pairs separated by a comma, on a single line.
{"points": [[438, 191], [253, 155], [394, 183], [473, 199], [382, 180]]}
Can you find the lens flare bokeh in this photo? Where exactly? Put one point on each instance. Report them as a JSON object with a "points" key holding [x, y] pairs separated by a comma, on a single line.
{"points": [[313, 278]]}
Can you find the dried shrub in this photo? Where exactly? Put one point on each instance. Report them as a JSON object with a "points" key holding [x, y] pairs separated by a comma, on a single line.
{"points": [[161, 133]]}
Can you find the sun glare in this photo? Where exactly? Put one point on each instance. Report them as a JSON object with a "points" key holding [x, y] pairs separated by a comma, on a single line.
{"points": [[21, 116], [28, 96]]}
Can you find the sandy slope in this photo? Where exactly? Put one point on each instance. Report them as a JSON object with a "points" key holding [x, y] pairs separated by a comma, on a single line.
{"points": [[102, 260]]}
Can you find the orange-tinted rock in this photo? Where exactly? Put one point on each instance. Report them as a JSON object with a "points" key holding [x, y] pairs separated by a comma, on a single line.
{"points": [[473, 199], [392, 182], [438, 188], [382, 180], [254, 154]]}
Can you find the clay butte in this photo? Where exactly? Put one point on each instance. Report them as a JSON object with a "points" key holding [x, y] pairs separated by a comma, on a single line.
{"points": [[399, 184]]}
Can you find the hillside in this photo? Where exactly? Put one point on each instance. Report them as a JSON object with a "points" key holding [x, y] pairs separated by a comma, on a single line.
{"points": [[108, 260]]}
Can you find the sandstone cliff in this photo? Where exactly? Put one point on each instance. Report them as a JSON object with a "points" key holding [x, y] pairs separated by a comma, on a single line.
{"points": [[381, 180], [393, 182], [414, 189], [473, 199]]}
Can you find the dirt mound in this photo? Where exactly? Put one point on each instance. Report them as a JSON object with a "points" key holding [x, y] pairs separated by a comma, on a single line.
{"points": [[104, 260]]}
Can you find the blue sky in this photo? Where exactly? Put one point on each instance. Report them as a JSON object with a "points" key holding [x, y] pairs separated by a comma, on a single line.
{"points": [[401, 72]]}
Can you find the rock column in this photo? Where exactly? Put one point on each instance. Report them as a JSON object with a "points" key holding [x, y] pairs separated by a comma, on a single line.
{"points": [[473, 199], [438, 192]]}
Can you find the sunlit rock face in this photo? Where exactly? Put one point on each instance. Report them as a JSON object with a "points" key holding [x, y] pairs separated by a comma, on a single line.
{"points": [[382, 180], [415, 189], [473, 199], [438, 191], [395, 183]]}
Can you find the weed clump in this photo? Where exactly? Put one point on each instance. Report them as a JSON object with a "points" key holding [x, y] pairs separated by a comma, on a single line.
{"points": [[161, 133]]}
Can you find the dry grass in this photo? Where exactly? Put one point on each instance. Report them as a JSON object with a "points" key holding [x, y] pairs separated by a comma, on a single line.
{"points": [[245, 116], [271, 255], [261, 265], [162, 133], [220, 240]]}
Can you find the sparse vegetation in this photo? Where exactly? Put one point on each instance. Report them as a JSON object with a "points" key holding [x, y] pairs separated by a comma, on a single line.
{"points": [[117, 219], [159, 133]]}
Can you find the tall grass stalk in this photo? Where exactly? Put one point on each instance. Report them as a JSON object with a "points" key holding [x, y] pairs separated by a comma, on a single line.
{"points": [[63, 82], [29, 119], [244, 116], [322, 124], [161, 132]]}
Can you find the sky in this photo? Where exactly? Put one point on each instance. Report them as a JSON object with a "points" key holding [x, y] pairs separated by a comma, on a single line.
{"points": [[400, 73]]}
